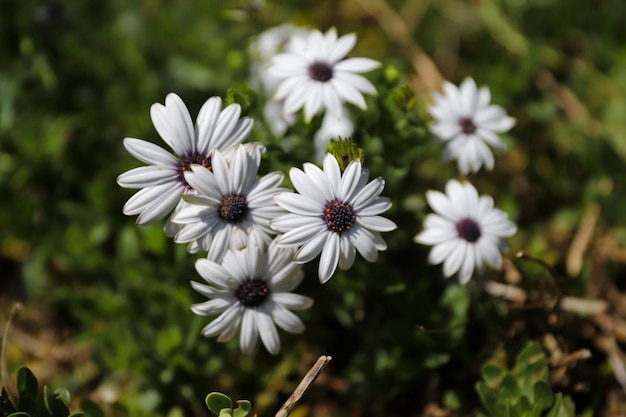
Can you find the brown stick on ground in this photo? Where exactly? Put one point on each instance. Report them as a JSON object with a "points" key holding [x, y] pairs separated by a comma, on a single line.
{"points": [[304, 385]]}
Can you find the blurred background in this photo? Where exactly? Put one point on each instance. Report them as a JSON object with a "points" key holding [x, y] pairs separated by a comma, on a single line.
{"points": [[106, 303]]}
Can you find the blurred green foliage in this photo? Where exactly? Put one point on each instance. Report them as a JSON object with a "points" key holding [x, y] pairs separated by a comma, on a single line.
{"points": [[78, 77]]}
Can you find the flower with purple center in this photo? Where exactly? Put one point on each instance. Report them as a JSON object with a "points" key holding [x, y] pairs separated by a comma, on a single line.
{"points": [[315, 76], [466, 121], [229, 206], [466, 232], [333, 214], [163, 181], [250, 290]]}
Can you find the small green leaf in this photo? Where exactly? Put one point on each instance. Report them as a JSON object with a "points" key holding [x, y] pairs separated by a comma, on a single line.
{"points": [[509, 390], [488, 397], [27, 390], [55, 406], [243, 408], [19, 414], [216, 402], [562, 407], [542, 394], [493, 374]]}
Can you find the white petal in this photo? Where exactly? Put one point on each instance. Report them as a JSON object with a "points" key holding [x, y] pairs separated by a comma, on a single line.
{"points": [[377, 223], [207, 308], [286, 320], [249, 332], [347, 253], [329, 258], [363, 240], [222, 322], [456, 257], [206, 122], [341, 48], [267, 331], [149, 152], [368, 193], [312, 247], [147, 176], [299, 204], [292, 301], [299, 236], [357, 65]]}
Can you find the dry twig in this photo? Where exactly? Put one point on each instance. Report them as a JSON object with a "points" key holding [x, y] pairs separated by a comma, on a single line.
{"points": [[304, 385]]}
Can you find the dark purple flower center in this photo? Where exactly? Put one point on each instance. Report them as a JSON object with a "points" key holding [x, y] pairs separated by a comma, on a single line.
{"points": [[339, 216], [252, 292], [467, 125], [233, 208], [468, 229], [186, 161], [320, 71]]}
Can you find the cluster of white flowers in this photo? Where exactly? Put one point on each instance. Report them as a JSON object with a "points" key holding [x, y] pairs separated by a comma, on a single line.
{"points": [[467, 232], [257, 234]]}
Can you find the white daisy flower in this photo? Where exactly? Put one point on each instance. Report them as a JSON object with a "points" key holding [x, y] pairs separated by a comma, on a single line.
{"points": [[315, 76], [268, 44], [333, 214], [163, 181], [230, 205], [468, 123], [251, 291], [466, 233]]}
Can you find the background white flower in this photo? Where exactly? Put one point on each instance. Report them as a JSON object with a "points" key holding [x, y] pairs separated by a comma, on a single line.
{"points": [[315, 76], [230, 205], [467, 122], [334, 215], [268, 44], [466, 233], [333, 127], [163, 181], [251, 291]]}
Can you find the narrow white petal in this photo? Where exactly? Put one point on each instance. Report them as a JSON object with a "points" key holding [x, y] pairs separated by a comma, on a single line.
{"points": [[267, 331], [377, 223], [363, 240], [350, 179], [329, 258], [357, 65], [442, 251], [322, 180], [249, 332], [147, 176], [349, 93], [368, 193], [442, 205], [347, 253], [357, 81], [300, 235], [149, 152], [453, 262], [299, 204], [215, 306], [312, 247], [222, 322], [332, 171], [376, 206], [286, 320], [292, 301], [206, 122], [341, 48]]}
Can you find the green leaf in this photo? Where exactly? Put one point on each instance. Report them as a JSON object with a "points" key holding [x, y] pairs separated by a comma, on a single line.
{"points": [[509, 390], [243, 408], [19, 414], [487, 396], [27, 390], [55, 406], [562, 407], [542, 395], [216, 402], [493, 374]]}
